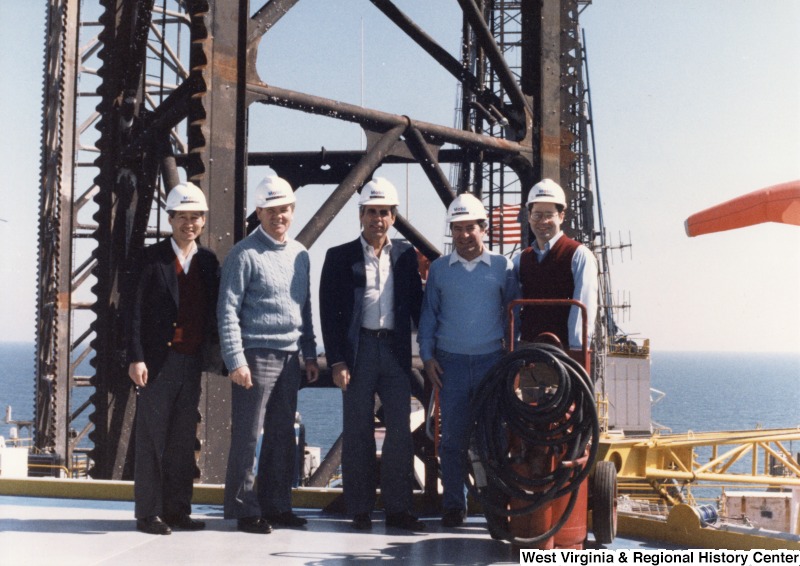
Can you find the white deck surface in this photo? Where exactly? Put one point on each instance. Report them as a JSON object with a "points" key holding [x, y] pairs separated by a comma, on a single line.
{"points": [[64, 532], [61, 532]]}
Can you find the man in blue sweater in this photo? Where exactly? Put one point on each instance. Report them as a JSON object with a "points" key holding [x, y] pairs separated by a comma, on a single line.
{"points": [[264, 314], [461, 336]]}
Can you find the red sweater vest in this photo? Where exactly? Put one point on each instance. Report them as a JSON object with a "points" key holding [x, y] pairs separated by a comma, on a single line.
{"points": [[191, 323], [550, 279]]}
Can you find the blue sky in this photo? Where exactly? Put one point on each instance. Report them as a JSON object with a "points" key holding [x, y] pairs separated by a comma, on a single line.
{"points": [[695, 102]]}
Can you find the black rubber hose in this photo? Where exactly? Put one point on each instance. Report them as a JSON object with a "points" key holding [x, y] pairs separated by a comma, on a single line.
{"points": [[563, 421]]}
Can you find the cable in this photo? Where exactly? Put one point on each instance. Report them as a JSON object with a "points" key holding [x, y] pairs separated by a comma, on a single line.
{"points": [[561, 423]]}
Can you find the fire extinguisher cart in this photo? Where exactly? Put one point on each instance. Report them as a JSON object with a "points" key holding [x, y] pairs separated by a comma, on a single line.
{"points": [[534, 446]]}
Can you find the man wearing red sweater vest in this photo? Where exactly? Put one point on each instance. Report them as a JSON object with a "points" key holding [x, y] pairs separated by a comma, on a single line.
{"points": [[170, 324], [555, 267]]}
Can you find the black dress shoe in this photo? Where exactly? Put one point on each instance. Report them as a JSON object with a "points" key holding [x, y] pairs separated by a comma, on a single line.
{"points": [[254, 525], [405, 521], [362, 522], [153, 525], [286, 519], [184, 523], [453, 518]]}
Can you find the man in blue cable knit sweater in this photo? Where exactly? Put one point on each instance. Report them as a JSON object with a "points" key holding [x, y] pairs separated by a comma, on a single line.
{"points": [[461, 336], [264, 314]]}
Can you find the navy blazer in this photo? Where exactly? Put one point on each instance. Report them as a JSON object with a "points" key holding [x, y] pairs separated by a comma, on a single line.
{"points": [[152, 310], [341, 298]]}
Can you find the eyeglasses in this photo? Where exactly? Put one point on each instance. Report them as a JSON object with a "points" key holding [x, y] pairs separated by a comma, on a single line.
{"points": [[537, 216]]}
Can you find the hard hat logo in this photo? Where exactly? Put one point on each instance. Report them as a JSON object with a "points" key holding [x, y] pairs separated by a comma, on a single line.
{"points": [[186, 196], [466, 206], [273, 191], [380, 192], [547, 190]]}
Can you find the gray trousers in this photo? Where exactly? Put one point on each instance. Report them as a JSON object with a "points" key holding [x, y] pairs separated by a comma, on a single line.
{"points": [[269, 405], [377, 371], [166, 430]]}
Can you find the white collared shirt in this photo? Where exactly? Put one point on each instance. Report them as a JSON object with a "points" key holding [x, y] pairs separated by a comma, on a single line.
{"points": [[378, 307], [540, 254], [273, 240], [184, 260], [470, 265]]}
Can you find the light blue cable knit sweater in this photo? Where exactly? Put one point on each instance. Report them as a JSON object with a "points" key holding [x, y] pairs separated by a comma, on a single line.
{"points": [[464, 312], [265, 299]]}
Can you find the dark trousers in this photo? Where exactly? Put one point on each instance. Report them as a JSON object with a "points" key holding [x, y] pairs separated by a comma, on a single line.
{"points": [[166, 430], [269, 405], [377, 371]]}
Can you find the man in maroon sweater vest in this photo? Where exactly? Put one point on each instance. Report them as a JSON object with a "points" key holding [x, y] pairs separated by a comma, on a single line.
{"points": [[555, 267], [170, 323]]}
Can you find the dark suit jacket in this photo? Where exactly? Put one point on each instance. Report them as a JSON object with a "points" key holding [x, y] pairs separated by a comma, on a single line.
{"points": [[341, 297], [152, 309]]}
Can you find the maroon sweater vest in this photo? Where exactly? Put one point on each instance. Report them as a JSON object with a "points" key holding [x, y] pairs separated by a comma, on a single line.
{"points": [[550, 279], [191, 323]]}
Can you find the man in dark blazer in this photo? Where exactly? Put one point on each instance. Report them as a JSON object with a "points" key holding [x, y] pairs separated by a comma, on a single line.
{"points": [[370, 292], [170, 326]]}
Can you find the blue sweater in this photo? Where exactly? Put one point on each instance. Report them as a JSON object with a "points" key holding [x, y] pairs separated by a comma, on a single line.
{"points": [[265, 299], [464, 312]]}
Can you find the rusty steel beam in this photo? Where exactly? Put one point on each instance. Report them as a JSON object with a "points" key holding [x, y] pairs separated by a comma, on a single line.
{"points": [[487, 42], [430, 165], [52, 385], [217, 133], [441, 56], [354, 181], [377, 120], [417, 239], [158, 123], [265, 17]]}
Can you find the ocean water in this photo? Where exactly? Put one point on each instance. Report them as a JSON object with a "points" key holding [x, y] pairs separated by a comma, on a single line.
{"points": [[714, 391], [705, 391], [321, 409]]}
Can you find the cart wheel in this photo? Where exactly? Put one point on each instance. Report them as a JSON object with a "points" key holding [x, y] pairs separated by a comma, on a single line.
{"points": [[604, 502]]}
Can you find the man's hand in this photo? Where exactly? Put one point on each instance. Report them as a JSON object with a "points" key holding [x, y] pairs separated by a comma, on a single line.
{"points": [[341, 375], [241, 376], [137, 371], [433, 370], [312, 370]]}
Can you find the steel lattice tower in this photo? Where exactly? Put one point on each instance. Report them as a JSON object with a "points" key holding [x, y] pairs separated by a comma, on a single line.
{"points": [[170, 84]]}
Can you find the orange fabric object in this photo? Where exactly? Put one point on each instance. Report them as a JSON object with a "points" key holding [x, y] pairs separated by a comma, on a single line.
{"points": [[778, 203]]}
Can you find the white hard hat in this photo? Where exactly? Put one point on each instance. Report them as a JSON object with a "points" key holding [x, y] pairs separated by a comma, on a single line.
{"points": [[274, 191], [186, 196], [547, 190], [465, 206], [378, 191]]}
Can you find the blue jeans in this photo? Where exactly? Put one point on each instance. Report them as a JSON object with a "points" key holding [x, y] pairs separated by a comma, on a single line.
{"points": [[462, 375], [377, 371], [270, 404]]}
